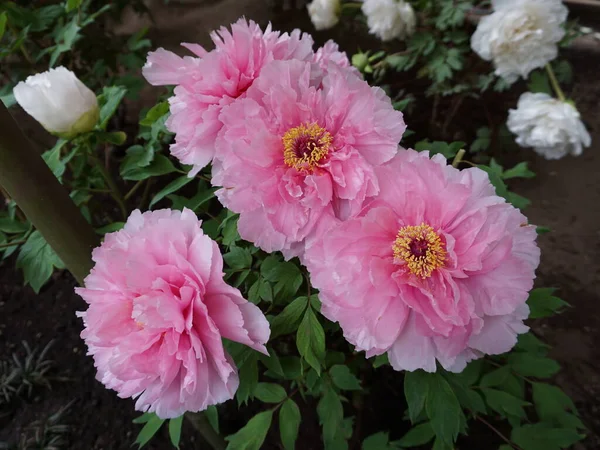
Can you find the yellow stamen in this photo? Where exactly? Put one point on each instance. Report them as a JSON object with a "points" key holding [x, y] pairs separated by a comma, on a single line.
{"points": [[420, 248], [305, 146]]}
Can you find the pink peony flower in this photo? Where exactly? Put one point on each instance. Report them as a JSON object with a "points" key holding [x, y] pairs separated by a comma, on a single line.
{"points": [[214, 79], [298, 152], [330, 53], [436, 267], [158, 308]]}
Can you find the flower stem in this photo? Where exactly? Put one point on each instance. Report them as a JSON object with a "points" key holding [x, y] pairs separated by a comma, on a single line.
{"points": [[458, 158], [10, 244], [114, 190], [495, 430], [555, 84], [134, 189], [45, 202], [203, 426]]}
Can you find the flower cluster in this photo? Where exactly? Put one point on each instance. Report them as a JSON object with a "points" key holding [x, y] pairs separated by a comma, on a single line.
{"points": [[389, 19], [411, 256], [519, 37]]}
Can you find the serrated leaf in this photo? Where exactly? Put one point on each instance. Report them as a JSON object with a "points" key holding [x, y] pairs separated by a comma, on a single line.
{"points": [[343, 378], [418, 435], [443, 409], [137, 156], [416, 389], [248, 373], [175, 430], [532, 365], [252, 436], [37, 260], [310, 339], [289, 423], [149, 430], [269, 392], [542, 303]]}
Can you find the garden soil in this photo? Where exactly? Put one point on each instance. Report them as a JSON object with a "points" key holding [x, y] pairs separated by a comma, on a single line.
{"points": [[565, 197]]}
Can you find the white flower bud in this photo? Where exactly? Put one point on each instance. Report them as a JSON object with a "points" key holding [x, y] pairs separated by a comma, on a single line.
{"points": [[389, 19], [324, 14], [520, 36], [59, 101], [552, 127]]}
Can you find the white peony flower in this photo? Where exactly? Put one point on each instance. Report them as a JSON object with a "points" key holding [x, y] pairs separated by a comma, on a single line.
{"points": [[389, 19], [520, 35], [324, 14], [59, 101], [552, 127]]}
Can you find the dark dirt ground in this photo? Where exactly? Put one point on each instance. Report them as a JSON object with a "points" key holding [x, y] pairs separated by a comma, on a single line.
{"points": [[565, 197]]}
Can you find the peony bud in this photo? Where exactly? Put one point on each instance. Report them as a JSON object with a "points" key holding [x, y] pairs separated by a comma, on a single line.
{"points": [[59, 101]]}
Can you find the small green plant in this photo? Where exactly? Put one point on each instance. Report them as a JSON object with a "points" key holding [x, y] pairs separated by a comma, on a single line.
{"points": [[49, 433]]}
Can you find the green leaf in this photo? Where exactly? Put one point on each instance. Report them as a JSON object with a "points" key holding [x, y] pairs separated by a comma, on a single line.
{"points": [[175, 430], [110, 228], [343, 378], [310, 340], [289, 423], [73, 4], [470, 375], [161, 165], [542, 303], [504, 403], [287, 320], [115, 137], [533, 366], [52, 158], [483, 141], [443, 409], [66, 37], [416, 389], [539, 83], [467, 397], [248, 373], [269, 392], [37, 260], [212, 415], [3, 20], [252, 436], [238, 258], [273, 363], [519, 171], [149, 430], [418, 435], [495, 377], [109, 101], [137, 156], [12, 226], [551, 403], [170, 188], [380, 360], [331, 414], [291, 366], [144, 418], [541, 436], [155, 113], [287, 278], [528, 342]]}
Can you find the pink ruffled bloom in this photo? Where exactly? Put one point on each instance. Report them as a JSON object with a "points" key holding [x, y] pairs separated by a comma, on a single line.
{"points": [[298, 152], [438, 267], [158, 308], [214, 79]]}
